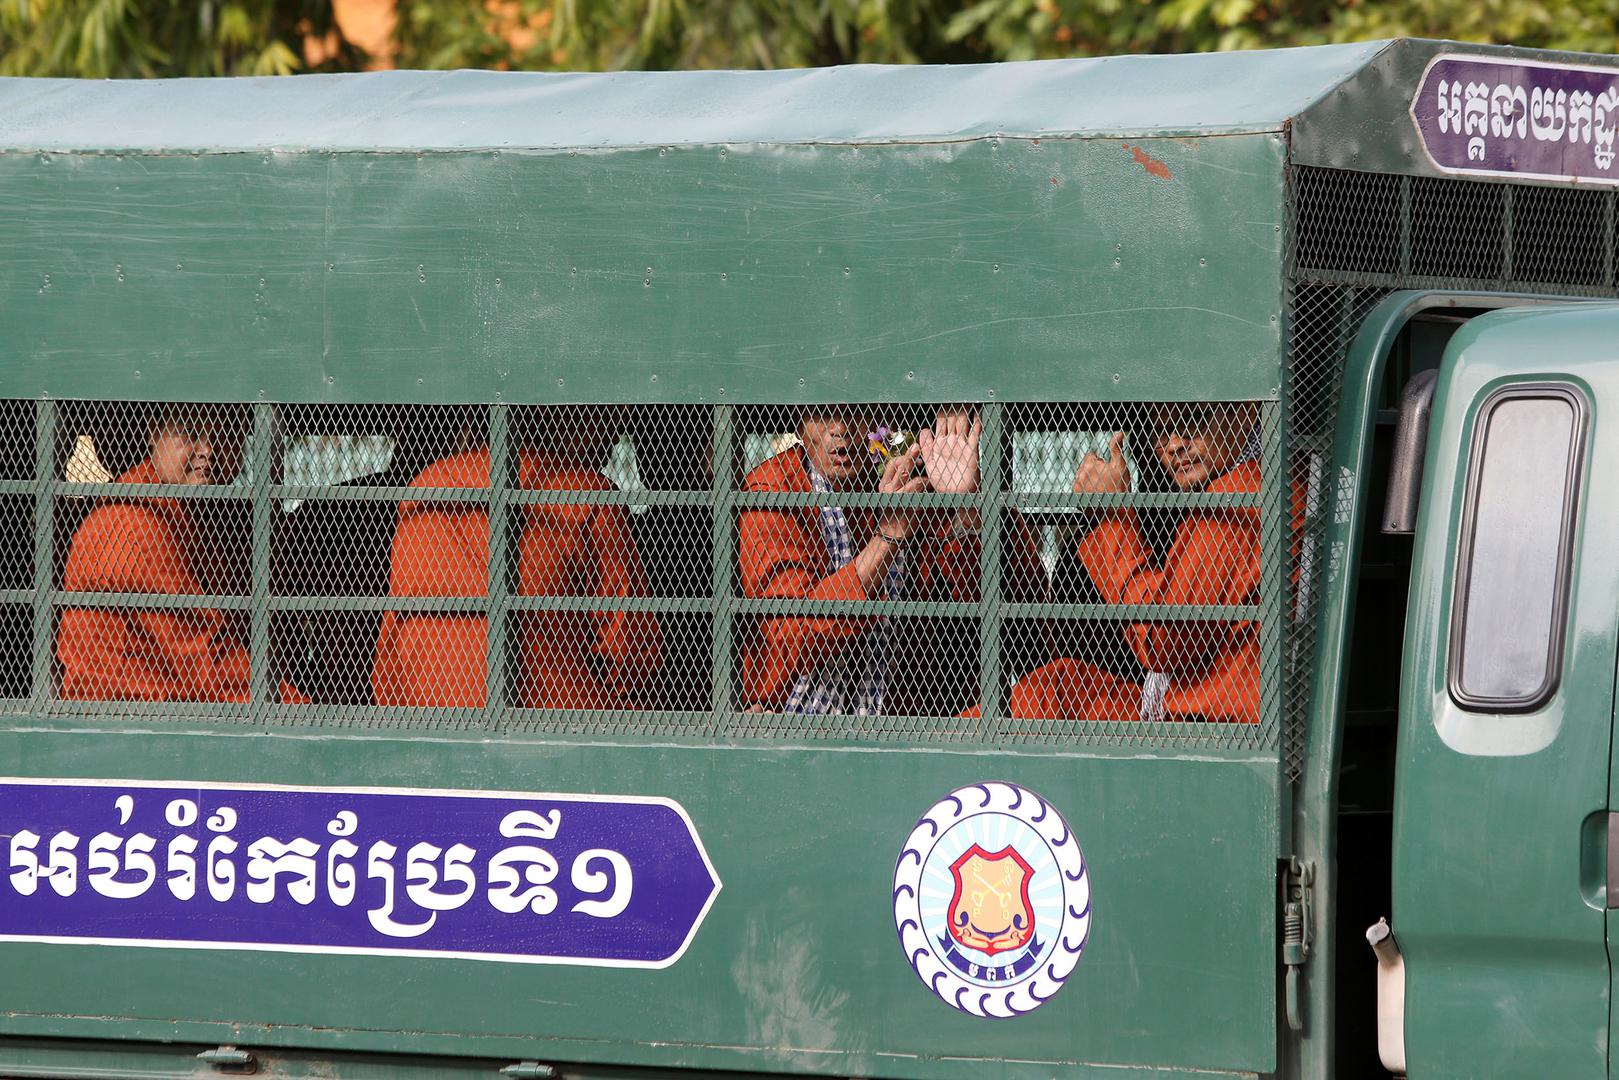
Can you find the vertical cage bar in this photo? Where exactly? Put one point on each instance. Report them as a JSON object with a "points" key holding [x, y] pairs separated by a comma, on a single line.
{"points": [[1506, 233], [1405, 226], [990, 504], [263, 689], [1274, 526], [722, 553], [1607, 237], [500, 559], [44, 550]]}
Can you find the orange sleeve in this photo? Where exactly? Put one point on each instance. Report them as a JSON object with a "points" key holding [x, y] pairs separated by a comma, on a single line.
{"points": [[956, 559], [780, 558], [1214, 559], [628, 643], [184, 655]]}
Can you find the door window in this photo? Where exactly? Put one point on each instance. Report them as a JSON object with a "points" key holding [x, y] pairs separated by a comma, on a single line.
{"points": [[1511, 585]]}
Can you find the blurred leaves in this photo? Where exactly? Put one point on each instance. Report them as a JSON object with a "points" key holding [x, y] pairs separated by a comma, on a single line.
{"points": [[111, 39], [137, 38]]}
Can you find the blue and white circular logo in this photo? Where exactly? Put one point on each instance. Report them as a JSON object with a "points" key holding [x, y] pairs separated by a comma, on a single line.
{"points": [[992, 900]]}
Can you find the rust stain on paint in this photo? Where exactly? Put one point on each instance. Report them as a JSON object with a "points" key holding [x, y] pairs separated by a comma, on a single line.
{"points": [[1153, 166]]}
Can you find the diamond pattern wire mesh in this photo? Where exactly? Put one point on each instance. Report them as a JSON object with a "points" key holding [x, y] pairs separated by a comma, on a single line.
{"points": [[1088, 572], [1354, 238]]}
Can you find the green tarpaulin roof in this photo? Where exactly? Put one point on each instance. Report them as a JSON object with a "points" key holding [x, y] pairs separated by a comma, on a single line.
{"points": [[1202, 94]]}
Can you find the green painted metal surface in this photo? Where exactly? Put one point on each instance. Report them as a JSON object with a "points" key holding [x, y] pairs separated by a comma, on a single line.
{"points": [[797, 966], [1364, 123], [1497, 903], [1315, 806], [986, 270]]}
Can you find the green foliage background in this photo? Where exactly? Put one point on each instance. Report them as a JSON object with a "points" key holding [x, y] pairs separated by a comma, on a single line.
{"points": [[144, 38]]}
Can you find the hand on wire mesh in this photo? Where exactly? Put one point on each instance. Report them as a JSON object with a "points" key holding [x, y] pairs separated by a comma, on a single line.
{"points": [[899, 477], [1097, 476], [950, 451]]}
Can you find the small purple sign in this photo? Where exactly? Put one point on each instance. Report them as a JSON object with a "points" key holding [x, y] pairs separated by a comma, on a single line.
{"points": [[1490, 116], [616, 881]]}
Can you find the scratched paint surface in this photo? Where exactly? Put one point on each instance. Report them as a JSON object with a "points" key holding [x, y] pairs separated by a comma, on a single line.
{"points": [[796, 966], [776, 273], [1060, 270]]}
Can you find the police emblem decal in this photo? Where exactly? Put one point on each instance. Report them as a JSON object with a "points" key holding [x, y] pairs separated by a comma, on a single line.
{"points": [[992, 900]]}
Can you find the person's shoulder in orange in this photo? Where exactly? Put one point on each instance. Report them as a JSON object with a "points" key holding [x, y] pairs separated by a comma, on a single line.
{"points": [[127, 546], [784, 472], [542, 471], [1245, 476], [470, 468]]}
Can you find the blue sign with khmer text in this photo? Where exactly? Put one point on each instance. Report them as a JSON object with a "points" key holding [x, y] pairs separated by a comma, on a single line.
{"points": [[618, 881]]}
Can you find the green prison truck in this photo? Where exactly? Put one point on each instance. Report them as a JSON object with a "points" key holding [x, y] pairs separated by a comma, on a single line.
{"points": [[931, 572]]}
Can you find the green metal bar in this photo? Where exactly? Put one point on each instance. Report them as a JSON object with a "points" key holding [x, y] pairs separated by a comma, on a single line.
{"points": [[16, 596], [785, 606], [1274, 529], [18, 487], [476, 605], [990, 482], [44, 623], [1607, 237], [723, 553], [1405, 227], [150, 601], [208, 710], [1040, 500], [262, 688], [338, 493], [158, 491], [1102, 738], [1506, 235], [500, 562]]}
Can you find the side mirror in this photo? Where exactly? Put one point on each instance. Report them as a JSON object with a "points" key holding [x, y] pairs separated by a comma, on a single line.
{"points": [[1410, 444]]}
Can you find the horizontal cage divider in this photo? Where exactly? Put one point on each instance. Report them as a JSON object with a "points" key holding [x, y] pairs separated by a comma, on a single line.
{"points": [[108, 707], [777, 606], [1136, 500], [152, 601], [117, 490]]}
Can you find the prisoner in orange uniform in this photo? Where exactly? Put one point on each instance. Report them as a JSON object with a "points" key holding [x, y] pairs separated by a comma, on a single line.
{"points": [[1194, 669], [159, 545], [582, 660], [828, 664]]}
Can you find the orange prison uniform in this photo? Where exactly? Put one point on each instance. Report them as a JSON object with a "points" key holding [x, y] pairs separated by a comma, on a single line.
{"points": [[783, 554], [583, 660], [1213, 667], [150, 545]]}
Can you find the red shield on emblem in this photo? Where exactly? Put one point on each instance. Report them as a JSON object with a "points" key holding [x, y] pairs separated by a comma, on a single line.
{"points": [[990, 910]]}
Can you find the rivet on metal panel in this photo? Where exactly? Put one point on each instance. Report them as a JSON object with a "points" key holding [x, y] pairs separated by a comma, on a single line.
{"points": [[119, 270], [137, 373], [654, 378], [497, 283], [910, 374], [724, 276], [179, 266], [1116, 376], [1202, 262], [996, 268]]}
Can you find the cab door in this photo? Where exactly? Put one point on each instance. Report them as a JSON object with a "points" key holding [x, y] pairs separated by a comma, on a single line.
{"points": [[1506, 703]]}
